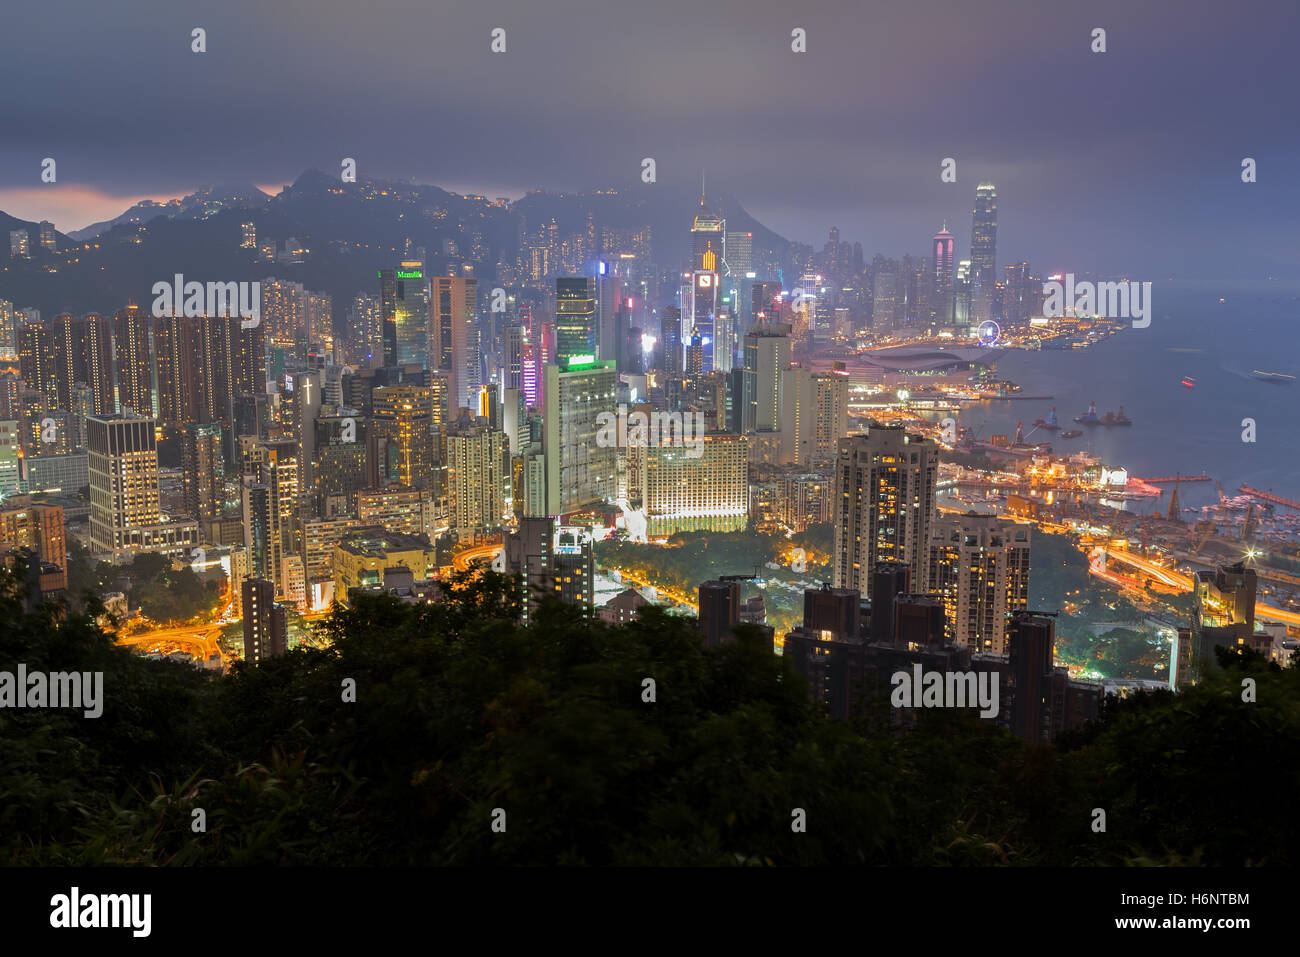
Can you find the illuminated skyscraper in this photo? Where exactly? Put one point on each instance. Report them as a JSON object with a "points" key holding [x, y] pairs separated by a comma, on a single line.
{"points": [[98, 340], [478, 475], [404, 308], [456, 338], [133, 358], [575, 318], [123, 457], [708, 232], [983, 252], [403, 416], [202, 471], [941, 306], [884, 504], [580, 472]]}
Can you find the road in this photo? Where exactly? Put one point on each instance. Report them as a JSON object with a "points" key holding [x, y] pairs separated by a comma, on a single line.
{"points": [[1184, 583], [480, 553], [198, 640]]}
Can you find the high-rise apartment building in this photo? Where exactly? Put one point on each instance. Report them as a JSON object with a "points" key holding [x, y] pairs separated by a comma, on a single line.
{"points": [[979, 565], [884, 484], [478, 475]]}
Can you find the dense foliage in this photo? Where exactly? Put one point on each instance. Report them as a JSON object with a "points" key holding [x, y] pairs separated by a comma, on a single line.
{"points": [[161, 592], [459, 711]]}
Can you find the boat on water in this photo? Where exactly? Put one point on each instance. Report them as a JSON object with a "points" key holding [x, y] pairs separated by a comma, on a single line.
{"points": [[1279, 377], [1072, 434], [1089, 417], [1189, 382], [1049, 422], [1119, 418]]}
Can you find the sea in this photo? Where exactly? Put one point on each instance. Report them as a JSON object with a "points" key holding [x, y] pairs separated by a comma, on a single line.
{"points": [[1214, 333]]}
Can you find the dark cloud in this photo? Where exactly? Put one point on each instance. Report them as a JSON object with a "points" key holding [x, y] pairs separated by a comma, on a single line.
{"points": [[1127, 160]]}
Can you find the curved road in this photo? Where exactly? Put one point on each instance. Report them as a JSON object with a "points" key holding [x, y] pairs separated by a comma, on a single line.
{"points": [[1181, 581]]}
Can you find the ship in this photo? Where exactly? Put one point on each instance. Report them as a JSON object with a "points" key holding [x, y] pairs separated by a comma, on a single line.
{"points": [[1089, 417], [1049, 422], [1279, 377], [1120, 418], [1071, 434], [1189, 382]]}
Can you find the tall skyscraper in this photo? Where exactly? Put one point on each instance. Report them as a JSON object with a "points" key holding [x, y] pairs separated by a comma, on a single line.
{"points": [[403, 417], [580, 472], [98, 340], [983, 252], [979, 565], [478, 475], [884, 504], [123, 461], [404, 310], [266, 630], [202, 474], [575, 318], [133, 358], [941, 313], [455, 349]]}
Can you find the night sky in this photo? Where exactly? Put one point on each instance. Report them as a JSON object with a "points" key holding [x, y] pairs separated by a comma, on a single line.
{"points": [[1127, 161]]}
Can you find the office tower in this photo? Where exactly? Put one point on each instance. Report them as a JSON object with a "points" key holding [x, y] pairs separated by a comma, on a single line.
{"points": [[573, 568], [708, 230], [884, 504], [575, 318], [702, 487], [49, 241], [341, 469], [580, 472], [19, 244], [670, 338], [98, 346], [266, 623], [456, 338], [704, 308], [888, 581], [403, 417], [983, 252], [742, 396], [886, 294], [1224, 613], [133, 358], [719, 603], [963, 290], [36, 361], [1030, 666], [512, 358], [478, 476], [404, 310], [202, 472], [765, 302], [35, 526], [941, 312], [979, 566], [1018, 300], [123, 462]]}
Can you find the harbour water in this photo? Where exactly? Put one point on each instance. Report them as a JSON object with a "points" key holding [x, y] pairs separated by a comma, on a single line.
{"points": [[1176, 429]]}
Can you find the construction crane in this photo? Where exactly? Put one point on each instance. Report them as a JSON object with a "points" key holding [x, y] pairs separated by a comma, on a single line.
{"points": [[1204, 533]]}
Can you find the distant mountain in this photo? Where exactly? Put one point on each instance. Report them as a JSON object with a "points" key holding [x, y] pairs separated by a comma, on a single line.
{"points": [[351, 229], [197, 205]]}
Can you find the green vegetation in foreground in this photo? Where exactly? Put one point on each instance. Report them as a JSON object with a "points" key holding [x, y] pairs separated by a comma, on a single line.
{"points": [[459, 711], [162, 593]]}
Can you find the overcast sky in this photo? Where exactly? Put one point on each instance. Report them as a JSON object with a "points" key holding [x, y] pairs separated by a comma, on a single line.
{"points": [[1127, 161]]}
